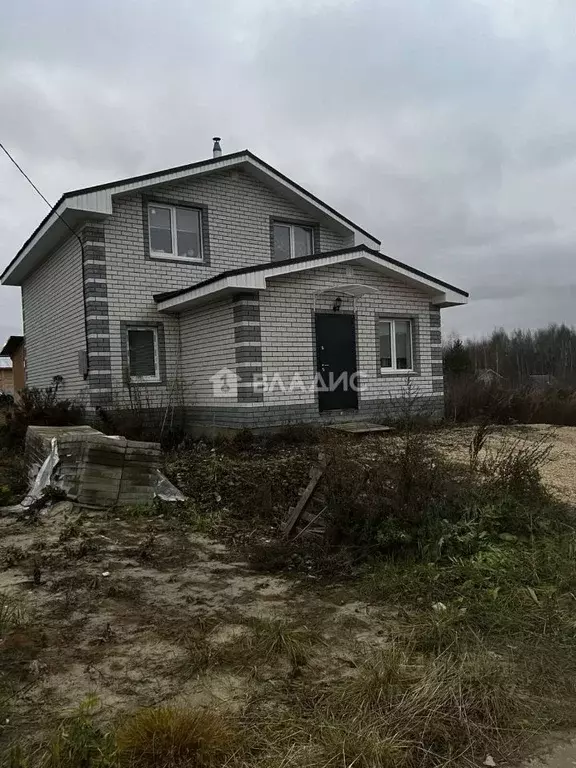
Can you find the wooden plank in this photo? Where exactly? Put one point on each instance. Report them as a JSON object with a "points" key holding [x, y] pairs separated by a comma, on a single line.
{"points": [[317, 518], [315, 475]]}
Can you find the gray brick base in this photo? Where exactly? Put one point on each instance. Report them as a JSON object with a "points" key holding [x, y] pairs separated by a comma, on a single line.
{"points": [[205, 419]]}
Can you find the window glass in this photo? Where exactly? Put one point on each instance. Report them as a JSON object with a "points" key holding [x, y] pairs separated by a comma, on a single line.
{"points": [[188, 233], [160, 230], [302, 241], [403, 344], [385, 345], [142, 352], [281, 242]]}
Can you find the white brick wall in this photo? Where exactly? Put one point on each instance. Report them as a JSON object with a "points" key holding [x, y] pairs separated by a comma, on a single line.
{"points": [[288, 343], [53, 311], [207, 346], [239, 211]]}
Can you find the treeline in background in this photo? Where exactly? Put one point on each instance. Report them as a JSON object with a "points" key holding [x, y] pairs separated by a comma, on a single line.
{"points": [[524, 376]]}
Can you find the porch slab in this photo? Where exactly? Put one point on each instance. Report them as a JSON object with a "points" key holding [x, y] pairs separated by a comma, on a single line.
{"points": [[359, 427]]}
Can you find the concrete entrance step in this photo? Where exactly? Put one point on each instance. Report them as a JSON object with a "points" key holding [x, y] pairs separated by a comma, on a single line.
{"points": [[359, 427]]}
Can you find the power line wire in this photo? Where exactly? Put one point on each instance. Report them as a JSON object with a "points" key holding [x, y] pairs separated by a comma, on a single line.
{"points": [[63, 220], [23, 172], [48, 203]]}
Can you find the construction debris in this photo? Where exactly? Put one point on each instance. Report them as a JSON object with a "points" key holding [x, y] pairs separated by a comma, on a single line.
{"points": [[299, 511], [94, 469]]}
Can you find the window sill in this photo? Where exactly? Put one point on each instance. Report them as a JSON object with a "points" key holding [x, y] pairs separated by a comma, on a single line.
{"points": [[394, 372], [180, 259], [144, 382]]}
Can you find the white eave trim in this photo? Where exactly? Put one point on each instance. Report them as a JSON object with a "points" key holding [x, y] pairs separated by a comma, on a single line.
{"points": [[256, 280]]}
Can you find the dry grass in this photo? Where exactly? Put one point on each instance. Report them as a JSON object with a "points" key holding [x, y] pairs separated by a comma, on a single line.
{"points": [[168, 737], [401, 710], [272, 639], [12, 613]]}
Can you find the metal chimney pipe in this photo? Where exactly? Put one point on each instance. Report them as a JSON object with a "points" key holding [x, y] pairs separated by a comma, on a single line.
{"points": [[216, 149]]}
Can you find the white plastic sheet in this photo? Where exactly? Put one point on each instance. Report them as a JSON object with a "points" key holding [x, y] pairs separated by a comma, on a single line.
{"points": [[165, 490], [44, 476]]}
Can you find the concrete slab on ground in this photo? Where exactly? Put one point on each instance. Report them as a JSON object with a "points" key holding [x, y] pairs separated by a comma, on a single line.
{"points": [[359, 427]]}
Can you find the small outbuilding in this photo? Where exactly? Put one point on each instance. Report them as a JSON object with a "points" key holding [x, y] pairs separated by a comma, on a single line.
{"points": [[13, 349]]}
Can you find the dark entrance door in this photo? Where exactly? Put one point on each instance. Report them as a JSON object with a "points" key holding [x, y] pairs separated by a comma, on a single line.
{"points": [[336, 355]]}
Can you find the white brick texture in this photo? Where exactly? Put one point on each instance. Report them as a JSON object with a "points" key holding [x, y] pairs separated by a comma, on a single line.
{"points": [[207, 337], [239, 210], [287, 310], [53, 311]]}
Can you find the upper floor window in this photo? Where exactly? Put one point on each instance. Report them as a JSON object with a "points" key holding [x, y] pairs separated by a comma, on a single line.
{"points": [[291, 241], [396, 345], [175, 232]]}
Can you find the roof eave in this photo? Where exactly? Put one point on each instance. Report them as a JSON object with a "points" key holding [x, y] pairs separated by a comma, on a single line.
{"points": [[440, 294], [11, 345]]}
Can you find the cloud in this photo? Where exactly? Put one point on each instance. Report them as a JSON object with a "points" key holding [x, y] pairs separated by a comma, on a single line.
{"points": [[444, 127]]}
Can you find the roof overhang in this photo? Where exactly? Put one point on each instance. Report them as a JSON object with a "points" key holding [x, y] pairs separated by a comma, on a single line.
{"points": [[256, 279], [96, 202], [12, 345]]}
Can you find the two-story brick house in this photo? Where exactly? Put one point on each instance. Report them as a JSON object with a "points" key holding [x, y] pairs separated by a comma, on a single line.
{"points": [[225, 287]]}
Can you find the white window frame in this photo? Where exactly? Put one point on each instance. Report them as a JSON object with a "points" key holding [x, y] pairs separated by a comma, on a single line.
{"points": [[144, 379], [392, 321], [291, 228], [173, 256]]}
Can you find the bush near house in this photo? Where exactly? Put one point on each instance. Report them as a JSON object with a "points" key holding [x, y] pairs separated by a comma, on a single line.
{"points": [[41, 407], [468, 399]]}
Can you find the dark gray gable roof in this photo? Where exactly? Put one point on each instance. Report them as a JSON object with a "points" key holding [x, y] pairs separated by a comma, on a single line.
{"points": [[213, 161], [183, 168], [158, 297]]}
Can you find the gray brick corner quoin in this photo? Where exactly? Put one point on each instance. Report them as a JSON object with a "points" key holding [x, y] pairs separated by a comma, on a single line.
{"points": [[247, 346], [94, 276]]}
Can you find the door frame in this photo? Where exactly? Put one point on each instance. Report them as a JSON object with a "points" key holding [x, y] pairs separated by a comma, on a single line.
{"points": [[354, 315]]}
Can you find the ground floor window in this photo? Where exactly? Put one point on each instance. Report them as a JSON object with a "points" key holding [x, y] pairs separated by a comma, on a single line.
{"points": [[396, 345], [143, 357]]}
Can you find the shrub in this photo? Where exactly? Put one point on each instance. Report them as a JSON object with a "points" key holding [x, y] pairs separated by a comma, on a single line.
{"points": [[140, 415], [404, 499], [249, 486], [13, 477], [467, 399], [393, 500], [43, 408]]}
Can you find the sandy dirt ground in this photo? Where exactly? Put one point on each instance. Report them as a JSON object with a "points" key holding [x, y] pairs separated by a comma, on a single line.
{"points": [[129, 609], [559, 472]]}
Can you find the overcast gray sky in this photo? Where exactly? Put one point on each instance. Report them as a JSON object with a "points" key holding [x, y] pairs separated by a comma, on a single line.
{"points": [[446, 127]]}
